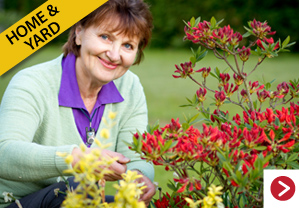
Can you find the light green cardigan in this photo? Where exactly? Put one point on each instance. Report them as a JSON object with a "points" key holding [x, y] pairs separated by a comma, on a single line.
{"points": [[33, 128]]}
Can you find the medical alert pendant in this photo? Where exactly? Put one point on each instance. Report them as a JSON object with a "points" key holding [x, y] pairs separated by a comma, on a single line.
{"points": [[90, 135]]}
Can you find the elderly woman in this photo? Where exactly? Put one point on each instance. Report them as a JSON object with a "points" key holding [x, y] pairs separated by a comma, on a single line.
{"points": [[54, 106]]}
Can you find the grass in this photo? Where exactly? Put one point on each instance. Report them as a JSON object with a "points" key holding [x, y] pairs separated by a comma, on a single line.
{"points": [[164, 93]]}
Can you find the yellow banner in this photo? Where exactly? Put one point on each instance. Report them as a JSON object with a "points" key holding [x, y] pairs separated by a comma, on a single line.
{"points": [[40, 27]]}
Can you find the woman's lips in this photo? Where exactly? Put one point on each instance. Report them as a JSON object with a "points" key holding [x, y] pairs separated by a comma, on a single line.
{"points": [[108, 64]]}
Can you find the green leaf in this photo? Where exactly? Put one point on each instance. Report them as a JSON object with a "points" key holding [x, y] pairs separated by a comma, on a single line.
{"points": [[213, 22], [202, 55], [226, 70], [293, 43], [139, 146], [255, 104], [186, 24], [260, 148], [267, 86], [193, 60], [164, 134], [198, 52], [197, 21], [213, 75], [263, 123], [217, 71], [246, 28], [285, 42], [192, 50], [185, 126], [192, 22], [247, 34], [193, 118], [219, 22], [277, 122], [292, 157], [239, 176], [167, 145], [293, 164]]}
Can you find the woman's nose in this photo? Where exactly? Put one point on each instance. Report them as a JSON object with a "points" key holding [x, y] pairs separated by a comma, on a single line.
{"points": [[114, 53]]}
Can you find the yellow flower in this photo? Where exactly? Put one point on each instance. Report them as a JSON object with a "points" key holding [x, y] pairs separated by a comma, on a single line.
{"points": [[191, 203], [112, 115], [69, 159], [105, 133], [61, 154]]}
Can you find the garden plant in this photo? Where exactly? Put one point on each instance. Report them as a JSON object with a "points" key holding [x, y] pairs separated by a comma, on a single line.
{"points": [[221, 163]]}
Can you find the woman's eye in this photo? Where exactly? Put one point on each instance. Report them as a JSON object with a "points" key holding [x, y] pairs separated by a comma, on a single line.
{"points": [[104, 37], [128, 46]]}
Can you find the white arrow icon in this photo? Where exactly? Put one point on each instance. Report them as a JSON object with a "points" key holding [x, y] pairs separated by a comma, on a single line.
{"points": [[284, 191]]}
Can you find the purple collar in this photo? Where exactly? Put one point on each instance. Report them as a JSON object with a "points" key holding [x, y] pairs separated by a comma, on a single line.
{"points": [[69, 94]]}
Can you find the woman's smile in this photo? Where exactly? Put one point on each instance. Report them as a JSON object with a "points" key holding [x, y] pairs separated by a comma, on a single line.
{"points": [[108, 64]]}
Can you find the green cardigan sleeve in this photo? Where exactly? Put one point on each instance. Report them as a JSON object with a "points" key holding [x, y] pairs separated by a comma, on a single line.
{"points": [[21, 114]]}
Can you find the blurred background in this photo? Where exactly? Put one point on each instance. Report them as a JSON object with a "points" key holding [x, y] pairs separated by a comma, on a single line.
{"points": [[164, 93]]}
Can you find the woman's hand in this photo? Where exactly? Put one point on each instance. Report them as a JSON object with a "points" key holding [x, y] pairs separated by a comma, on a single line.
{"points": [[118, 167], [149, 191]]}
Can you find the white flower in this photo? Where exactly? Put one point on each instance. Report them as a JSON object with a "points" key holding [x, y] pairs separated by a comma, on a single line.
{"points": [[59, 179], [8, 197]]}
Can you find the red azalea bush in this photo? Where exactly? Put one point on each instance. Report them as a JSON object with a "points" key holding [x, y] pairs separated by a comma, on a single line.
{"points": [[228, 152]]}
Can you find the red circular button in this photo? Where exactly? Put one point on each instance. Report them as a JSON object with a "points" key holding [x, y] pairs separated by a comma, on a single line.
{"points": [[283, 188]]}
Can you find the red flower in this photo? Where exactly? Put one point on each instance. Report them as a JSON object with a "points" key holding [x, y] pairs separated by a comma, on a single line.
{"points": [[200, 32], [230, 90], [283, 88], [254, 86], [262, 95], [261, 30], [238, 79], [220, 98], [224, 78], [244, 53], [270, 42], [185, 70], [201, 93], [205, 71]]}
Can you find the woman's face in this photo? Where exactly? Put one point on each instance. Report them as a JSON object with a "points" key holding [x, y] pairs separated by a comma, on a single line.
{"points": [[104, 56]]}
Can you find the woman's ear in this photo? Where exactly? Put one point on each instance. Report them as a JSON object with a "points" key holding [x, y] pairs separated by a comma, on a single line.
{"points": [[78, 33]]}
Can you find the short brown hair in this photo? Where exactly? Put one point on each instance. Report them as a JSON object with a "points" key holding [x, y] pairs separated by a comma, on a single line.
{"points": [[134, 19]]}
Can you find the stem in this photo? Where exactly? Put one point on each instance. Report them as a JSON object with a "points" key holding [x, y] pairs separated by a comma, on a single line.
{"points": [[258, 63], [204, 86], [243, 66], [102, 183], [248, 93], [236, 61], [256, 199], [239, 104], [227, 62], [18, 203], [283, 102]]}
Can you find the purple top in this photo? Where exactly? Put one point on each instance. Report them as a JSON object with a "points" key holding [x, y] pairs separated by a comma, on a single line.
{"points": [[69, 96]]}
